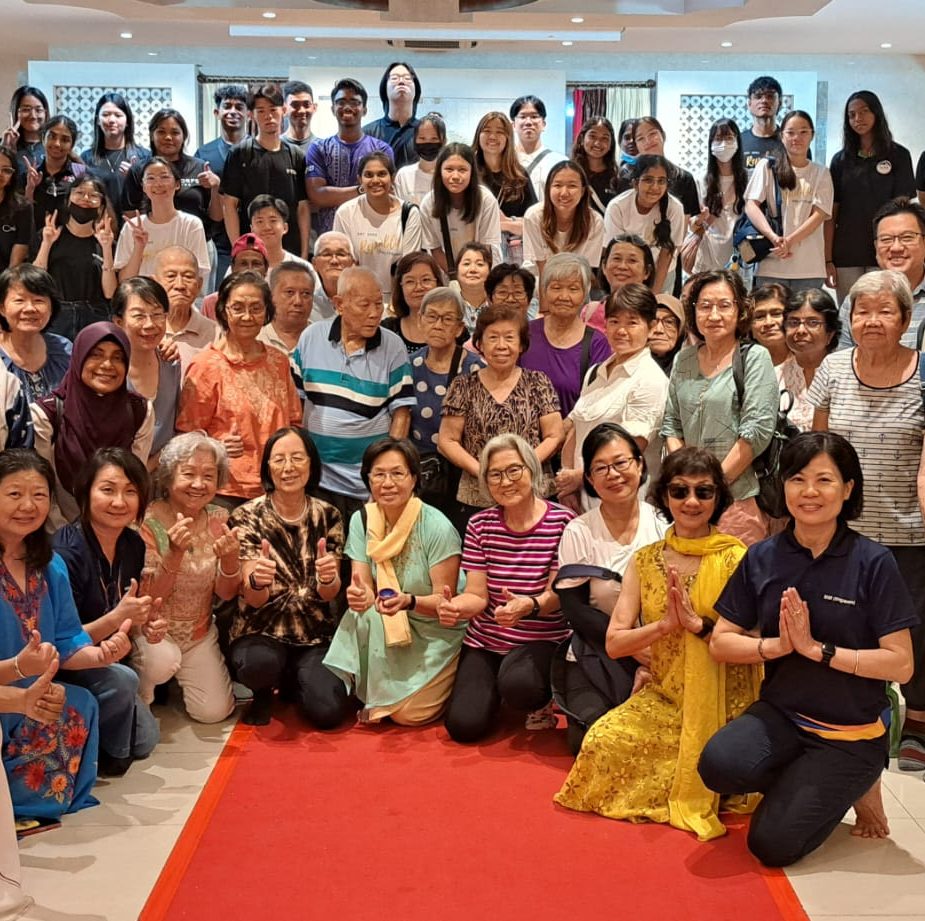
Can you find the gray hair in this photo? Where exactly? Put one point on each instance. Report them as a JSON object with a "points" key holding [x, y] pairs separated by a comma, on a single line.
{"points": [[180, 449], [442, 296], [884, 281], [565, 265], [354, 273], [173, 250], [334, 235], [511, 442], [290, 265]]}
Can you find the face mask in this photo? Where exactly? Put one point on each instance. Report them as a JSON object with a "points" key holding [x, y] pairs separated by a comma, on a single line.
{"points": [[628, 159], [82, 215], [724, 151], [427, 151]]}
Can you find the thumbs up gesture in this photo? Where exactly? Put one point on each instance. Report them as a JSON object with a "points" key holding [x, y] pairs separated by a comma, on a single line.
{"points": [[42, 700], [449, 614], [35, 657], [326, 564], [133, 606], [513, 609], [118, 646], [263, 569], [208, 179], [359, 595], [233, 442]]}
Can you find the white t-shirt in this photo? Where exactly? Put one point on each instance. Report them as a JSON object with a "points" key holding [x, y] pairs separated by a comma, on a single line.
{"points": [[715, 248], [486, 228], [813, 190], [181, 230], [412, 183], [537, 250], [377, 239], [545, 160], [622, 216]]}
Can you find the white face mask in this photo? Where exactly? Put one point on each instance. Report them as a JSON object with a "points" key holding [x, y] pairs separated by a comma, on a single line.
{"points": [[724, 151]]}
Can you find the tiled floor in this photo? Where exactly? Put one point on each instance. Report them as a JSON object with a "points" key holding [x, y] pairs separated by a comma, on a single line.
{"points": [[102, 863]]}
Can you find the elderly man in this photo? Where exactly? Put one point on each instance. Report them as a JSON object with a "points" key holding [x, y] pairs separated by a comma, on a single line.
{"points": [[899, 243], [358, 387], [292, 286], [333, 254], [177, 269]]}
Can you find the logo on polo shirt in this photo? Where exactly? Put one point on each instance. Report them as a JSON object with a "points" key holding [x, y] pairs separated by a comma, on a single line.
{"points": [[851, 602]]}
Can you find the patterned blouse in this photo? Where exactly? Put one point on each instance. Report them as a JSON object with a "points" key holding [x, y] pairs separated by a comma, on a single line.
{"points": [[188, 607], [532, 398], [294, 612]]}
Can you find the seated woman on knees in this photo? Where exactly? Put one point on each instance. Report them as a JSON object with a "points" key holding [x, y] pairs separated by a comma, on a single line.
{"points": [[190, 555], [104, 557], [510, 556], [291, 547], [638, 762], [390, 647], [51, 768], [827, 612], [587, 682]]}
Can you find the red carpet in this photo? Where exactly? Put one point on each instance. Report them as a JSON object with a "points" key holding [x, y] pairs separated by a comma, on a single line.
{"points": [[403, 825]]}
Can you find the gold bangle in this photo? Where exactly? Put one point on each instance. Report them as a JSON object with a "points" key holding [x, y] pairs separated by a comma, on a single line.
{"points": [[761, 654], [16, 668], [228, 575], [857, 660]]}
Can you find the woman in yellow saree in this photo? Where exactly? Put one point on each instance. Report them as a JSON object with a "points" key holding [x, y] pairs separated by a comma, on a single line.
{"points": [[639, 761]]}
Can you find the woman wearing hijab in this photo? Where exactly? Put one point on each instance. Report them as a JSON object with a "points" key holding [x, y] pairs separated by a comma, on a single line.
{"points": [[91, 408]]}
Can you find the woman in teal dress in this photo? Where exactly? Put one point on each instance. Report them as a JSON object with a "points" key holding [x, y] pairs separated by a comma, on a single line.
{"points": [[390, 648], [51, 767]]}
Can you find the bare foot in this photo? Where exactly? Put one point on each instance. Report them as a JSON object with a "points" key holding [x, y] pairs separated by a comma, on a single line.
{"points": [[871, 819]]}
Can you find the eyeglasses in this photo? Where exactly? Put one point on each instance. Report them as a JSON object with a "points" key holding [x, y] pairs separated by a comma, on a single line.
{"points": [[668, 322], [31, 110], [512, 474], [153, 180], [441, 319], [92, 197], [659, 181], [297, 460], [620, 466], [7, 171], [907, 238], [334, 254], [348, 103], [239, 311], [528, 117], [510, 297], [710, 306], [812, 324], [679, 491], [156, 316], [428, 281], [396, 476]]}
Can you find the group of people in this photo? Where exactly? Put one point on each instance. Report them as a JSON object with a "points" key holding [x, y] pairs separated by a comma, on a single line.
{"points": [[476, 454]]}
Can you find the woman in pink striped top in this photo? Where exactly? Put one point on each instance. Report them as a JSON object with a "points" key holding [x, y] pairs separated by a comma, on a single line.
{"points": [[510, 556]]}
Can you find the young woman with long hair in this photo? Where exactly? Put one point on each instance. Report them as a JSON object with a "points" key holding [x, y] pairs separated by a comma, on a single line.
{"points": [[595, 151]]}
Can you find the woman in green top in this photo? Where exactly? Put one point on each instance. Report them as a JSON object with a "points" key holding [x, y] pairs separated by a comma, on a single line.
{"points": [[390, 647], [704, 409]]}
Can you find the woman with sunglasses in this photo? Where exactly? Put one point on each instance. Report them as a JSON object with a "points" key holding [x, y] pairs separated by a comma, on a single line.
{"points": [[638, 762]]}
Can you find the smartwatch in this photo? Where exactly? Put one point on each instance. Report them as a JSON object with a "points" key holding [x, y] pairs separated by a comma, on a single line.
{"points": [[828, 650]]}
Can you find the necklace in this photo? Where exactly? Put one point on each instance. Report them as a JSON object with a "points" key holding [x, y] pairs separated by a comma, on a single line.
{"points": [[298, 518]]}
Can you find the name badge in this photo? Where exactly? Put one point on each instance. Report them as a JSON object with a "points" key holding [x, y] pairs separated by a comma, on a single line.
{"points": [[884, 167]]}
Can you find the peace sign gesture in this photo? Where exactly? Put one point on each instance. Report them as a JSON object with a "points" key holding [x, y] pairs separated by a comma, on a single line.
{"points": [[51, 231], [103, 232], [11, 135], [139, 234]]}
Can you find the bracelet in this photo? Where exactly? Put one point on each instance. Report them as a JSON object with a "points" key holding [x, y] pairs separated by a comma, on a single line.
{"points": [[706, 629], [327, 581], [254, 586], [764, 658], [413, 603], [857, 658], [16, 668], [229, 575]]}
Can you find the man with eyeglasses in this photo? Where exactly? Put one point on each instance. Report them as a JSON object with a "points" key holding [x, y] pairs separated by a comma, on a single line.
{"points": [[899, 244], [400, 92], [332, 165], [358, 387], [763, 138], [333, 254], [528, 113]]}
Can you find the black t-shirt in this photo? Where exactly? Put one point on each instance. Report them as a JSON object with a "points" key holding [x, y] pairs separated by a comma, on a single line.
{"points": [[755, 148], [683, 187], [251, 170], [52, 192], [76, 264], [191, 198], [920, 173], [862, 185], [606, 186], [399, 137], [16, 227], [855, 594], [215, 153], [106, 169], [511, 207]]}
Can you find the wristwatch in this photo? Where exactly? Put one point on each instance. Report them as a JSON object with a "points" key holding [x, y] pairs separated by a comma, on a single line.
{"points": [[828, 650], [536, 607], [413, 603]]}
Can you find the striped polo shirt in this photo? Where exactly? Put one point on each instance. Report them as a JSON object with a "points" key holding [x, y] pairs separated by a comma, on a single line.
{"points": [[520, 561], [350, 399]]}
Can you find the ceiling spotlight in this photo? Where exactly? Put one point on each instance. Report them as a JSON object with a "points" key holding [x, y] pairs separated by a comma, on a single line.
{"points": [[269, 15], [125, 35], [301, 38], [568, 44], [578, 20], [152, 54], [725, 44], [886, 44]]}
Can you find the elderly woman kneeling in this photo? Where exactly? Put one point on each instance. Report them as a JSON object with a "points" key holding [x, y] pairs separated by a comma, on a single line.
{"points": [[390, 647]]}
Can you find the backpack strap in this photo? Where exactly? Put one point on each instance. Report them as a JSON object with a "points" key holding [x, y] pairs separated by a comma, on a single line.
{"points": [[448, 248], [537, 161], [738, 369], [586, 571], [586, 340], [406, 208], [456, 365]]}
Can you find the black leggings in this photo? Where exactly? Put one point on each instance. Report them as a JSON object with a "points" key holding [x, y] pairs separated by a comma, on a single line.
{"points": [[586, 703], [808, 783], [484, 679], [263, 663]]}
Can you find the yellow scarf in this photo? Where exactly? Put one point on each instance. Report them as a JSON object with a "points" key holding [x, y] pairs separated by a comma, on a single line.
{"points": [[382, 548], [690, 804]]}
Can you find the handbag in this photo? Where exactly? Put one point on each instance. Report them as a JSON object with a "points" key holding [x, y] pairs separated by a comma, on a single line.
{"points": [[752, 245], [438, 476]]}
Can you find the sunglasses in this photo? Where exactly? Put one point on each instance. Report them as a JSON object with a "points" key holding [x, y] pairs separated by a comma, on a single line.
{"points": [[679, 491]]}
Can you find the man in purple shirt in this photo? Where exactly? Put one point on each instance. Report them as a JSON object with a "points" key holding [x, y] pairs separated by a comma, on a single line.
{"points": [[332, 165]]}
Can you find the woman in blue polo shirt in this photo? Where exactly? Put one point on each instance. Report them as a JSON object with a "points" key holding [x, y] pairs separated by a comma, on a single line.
{"points": [[827, 612]]}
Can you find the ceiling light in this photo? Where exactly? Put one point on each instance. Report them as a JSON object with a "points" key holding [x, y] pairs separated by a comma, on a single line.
{"points": [[269, 15], [725, 44], [568, 44], [578, 19], [312, 57], [886, 44], [301, 38], [125, 35], [152, 54]]}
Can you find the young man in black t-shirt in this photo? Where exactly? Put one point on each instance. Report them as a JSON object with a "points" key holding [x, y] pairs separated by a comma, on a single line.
{"points": [[763, 138]]}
